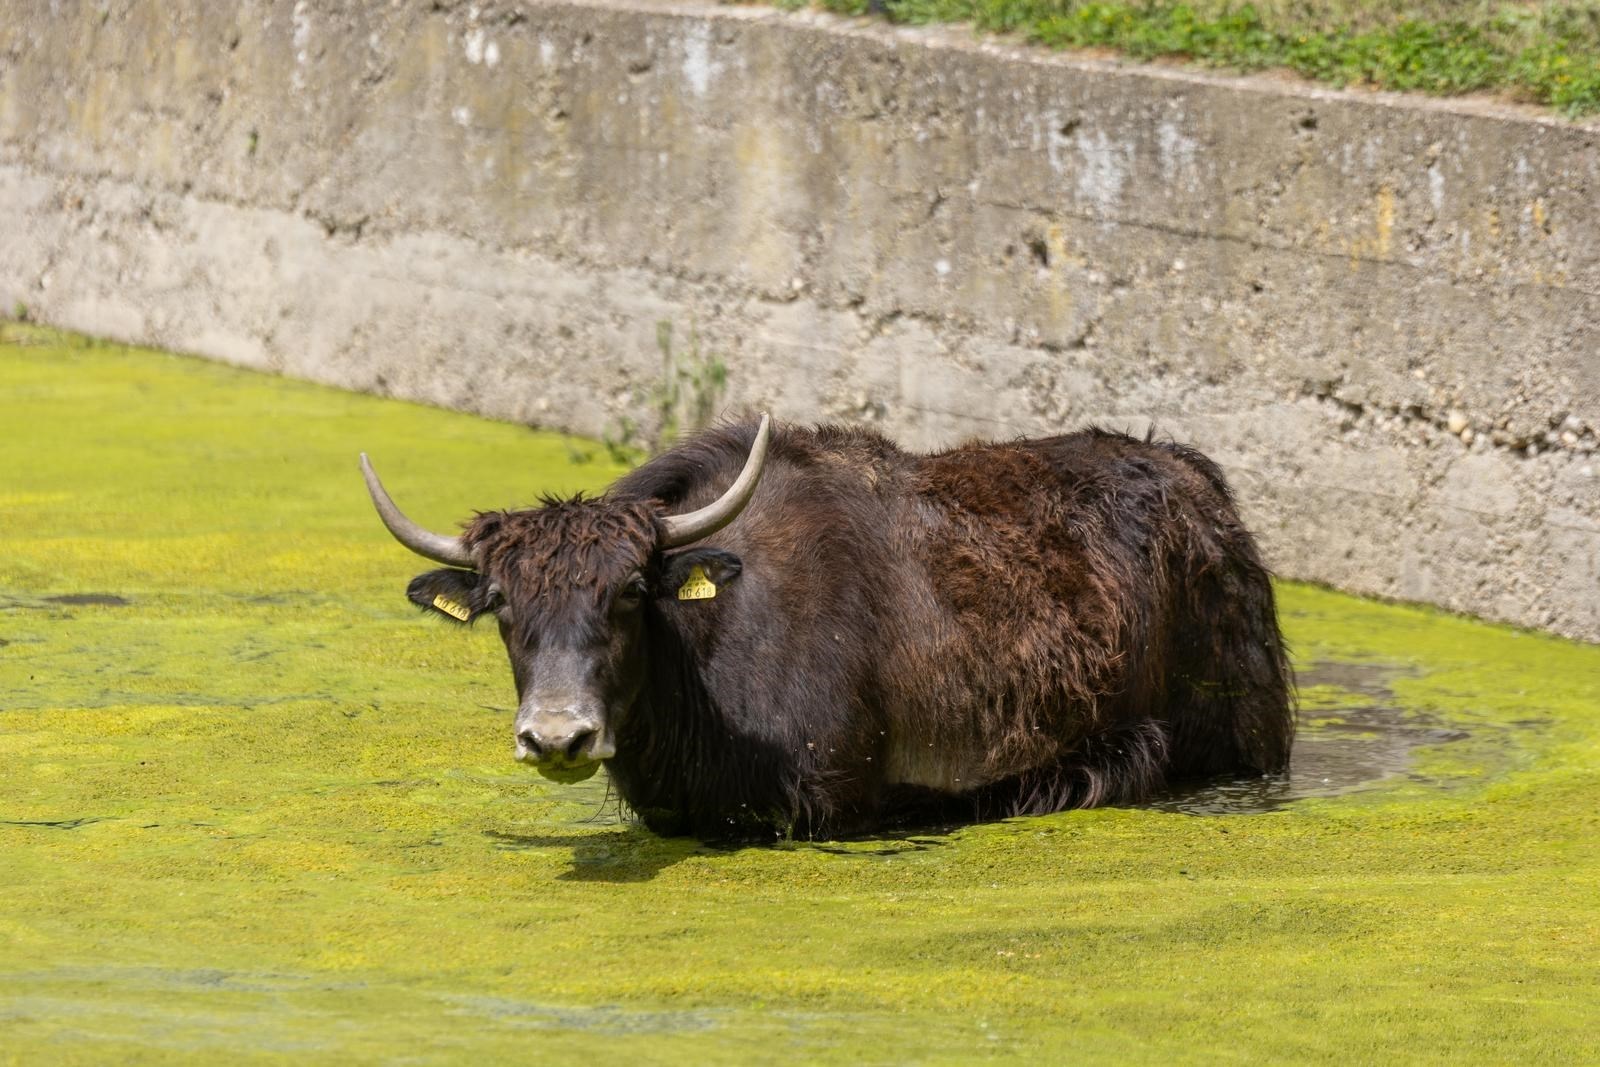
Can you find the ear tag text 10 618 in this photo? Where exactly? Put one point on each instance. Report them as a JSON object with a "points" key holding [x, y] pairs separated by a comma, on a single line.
{"points": [[450, 607], [697, 586]]}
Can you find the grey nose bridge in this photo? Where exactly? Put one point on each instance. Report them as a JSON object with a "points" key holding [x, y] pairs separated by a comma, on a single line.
{"points": [[561, 692], [561, 718]]}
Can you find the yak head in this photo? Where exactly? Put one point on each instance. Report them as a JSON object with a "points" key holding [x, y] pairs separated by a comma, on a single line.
{"points": [[569, 583]]}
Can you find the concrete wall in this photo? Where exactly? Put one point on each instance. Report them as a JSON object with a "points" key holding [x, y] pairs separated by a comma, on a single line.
{"points": [[1381, 315]]}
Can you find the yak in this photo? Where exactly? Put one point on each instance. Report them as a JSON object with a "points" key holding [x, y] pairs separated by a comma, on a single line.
{"points": [[810, 631]]}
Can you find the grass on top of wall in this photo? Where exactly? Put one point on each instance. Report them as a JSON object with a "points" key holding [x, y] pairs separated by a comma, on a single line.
{"points": [[1548, 53]]}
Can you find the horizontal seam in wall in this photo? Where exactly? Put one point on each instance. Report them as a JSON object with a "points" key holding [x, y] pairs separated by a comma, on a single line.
{"points": [[1444, 274]]}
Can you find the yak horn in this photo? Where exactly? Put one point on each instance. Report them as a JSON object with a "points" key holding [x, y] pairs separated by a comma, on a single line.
{"points": [[423, 542], [683, 529]]}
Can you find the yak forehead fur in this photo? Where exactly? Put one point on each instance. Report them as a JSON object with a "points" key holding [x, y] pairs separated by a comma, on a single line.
{"points": [[564, 557]]}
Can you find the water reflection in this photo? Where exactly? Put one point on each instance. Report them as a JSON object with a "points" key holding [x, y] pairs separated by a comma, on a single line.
{"points": [[1337, 750]]}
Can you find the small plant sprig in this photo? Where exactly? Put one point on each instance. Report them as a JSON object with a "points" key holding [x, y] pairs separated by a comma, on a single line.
{"points": [[685, 399]]}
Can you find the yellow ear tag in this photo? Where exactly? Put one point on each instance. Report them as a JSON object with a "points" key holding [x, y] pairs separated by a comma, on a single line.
{"points": [[697, 586], [450, 607]]}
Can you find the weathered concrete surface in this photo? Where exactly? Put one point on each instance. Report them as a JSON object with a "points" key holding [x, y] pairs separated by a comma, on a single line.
{"points": [[1381, 316]]}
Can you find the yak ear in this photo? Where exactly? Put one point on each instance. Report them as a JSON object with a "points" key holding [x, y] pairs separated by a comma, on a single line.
{"points": [[698, 573], [455, 594]]}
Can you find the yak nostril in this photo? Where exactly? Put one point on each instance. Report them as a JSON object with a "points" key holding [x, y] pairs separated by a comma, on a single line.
{"points": [[579, 742], [530, 742]]}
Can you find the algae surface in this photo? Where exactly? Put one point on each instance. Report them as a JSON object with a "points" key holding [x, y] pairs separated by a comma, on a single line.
{"points": [[254, 807]]}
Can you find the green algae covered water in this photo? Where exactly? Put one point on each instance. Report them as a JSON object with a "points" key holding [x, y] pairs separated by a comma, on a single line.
{"points": [[253, 807]]}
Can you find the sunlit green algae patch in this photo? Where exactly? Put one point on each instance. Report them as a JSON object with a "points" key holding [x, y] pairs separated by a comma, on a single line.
{"points": [[254, 807]]}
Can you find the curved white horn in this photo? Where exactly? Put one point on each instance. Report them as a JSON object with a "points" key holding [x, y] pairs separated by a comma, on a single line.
{"points": [[423, 542], [683, 529]]}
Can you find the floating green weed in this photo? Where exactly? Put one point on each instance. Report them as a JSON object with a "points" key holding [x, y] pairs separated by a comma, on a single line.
{"points": [[255, 808]]}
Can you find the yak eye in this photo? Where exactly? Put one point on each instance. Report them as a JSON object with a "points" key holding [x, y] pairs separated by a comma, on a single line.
{"points": [[492, 600], [632, 592]]}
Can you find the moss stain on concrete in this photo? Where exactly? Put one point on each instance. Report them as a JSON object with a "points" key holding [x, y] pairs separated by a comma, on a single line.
{"points": [[261, 809]]}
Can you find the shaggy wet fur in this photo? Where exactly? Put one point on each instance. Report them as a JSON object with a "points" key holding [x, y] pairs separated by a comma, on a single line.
{"points": [[993, 630]]}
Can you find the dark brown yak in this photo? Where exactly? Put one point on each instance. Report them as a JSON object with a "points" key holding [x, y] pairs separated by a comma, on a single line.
{"points": [[879, 636]]}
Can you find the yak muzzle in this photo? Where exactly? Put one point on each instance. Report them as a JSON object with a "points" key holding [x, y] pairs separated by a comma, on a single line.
{"points": [[566, 746]]}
